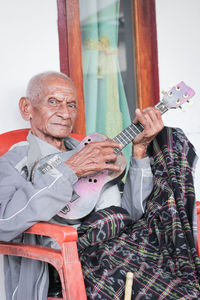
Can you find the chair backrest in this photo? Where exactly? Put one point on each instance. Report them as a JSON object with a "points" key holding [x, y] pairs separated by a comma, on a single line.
{"points": [[10, 138]]}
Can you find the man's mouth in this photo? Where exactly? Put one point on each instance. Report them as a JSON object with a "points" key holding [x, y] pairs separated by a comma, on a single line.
{"points": [[63, 125]]}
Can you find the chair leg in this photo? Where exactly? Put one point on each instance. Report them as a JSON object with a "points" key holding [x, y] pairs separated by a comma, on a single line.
{"points": [[65, 295], [75, 287]]}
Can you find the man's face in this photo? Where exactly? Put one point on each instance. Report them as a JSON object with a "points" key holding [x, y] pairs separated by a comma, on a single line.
{"points": [[54, 113]]}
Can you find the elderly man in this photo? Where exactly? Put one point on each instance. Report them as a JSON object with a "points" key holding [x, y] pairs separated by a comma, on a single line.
{"points": [[51, 107]]}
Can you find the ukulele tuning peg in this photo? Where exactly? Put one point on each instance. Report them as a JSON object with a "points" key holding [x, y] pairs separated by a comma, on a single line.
{"points": [[190, 102], [163, 92]]}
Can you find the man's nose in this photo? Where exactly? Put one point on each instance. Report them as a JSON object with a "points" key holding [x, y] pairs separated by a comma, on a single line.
{"points": [[63, 111]]}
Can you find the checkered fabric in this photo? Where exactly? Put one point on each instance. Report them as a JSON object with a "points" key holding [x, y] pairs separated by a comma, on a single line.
{"points": [[159, 248]]}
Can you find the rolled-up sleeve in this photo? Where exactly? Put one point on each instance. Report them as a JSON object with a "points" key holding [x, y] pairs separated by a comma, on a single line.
{"points": [[138, 186]]}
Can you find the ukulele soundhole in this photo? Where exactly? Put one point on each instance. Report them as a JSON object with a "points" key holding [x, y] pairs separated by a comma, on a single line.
{"points": [[92, 180], [88, 141]]}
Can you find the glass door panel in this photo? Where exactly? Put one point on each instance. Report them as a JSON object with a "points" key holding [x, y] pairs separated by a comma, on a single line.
{"points": [[108, 65]]}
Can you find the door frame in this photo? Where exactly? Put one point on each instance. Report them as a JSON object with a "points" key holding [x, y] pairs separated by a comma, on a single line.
{"points": [[146, 54]]}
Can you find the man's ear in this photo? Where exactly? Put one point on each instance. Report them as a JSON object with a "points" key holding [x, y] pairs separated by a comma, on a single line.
{"points": [[25, 108]]}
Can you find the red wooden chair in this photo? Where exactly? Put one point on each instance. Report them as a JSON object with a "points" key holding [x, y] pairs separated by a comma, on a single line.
{"points": [[66, 260]]}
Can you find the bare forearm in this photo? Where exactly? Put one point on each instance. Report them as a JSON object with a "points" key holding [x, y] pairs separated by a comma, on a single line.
{"points": [[139, 151]]}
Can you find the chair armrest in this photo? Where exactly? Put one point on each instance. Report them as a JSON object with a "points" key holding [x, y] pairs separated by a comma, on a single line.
{"points": [[65, 236], [37, 252], [61, 233]]}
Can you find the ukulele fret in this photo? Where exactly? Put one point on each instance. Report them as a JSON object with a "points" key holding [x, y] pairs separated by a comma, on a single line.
{"points": [[132, 132], [128, 134], [125, 136], [162, 107], [122, 138], [139, 127], [119, 139], [135, 130]]}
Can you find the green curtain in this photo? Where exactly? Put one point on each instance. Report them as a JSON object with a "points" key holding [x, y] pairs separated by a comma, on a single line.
{"points": [[105, 100]]}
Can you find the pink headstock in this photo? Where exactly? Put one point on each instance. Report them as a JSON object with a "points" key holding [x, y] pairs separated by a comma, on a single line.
{"points": [[177, 95]]}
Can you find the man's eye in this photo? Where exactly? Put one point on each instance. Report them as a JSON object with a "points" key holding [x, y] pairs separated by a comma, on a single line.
{"points": [[71, 105], [52, 101]]}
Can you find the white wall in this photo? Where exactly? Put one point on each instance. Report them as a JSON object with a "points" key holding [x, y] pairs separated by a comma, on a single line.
{"points": [[29, 45], [178, 26]]}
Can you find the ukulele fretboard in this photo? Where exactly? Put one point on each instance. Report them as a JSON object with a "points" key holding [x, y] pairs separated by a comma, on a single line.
{"points": [[129, 133]]}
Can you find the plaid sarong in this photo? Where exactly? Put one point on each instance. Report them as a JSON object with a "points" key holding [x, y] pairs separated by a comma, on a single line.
{"points": [[159, 248]]}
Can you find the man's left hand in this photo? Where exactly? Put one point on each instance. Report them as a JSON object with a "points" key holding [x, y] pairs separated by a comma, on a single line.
{"points": [[152, 122]]}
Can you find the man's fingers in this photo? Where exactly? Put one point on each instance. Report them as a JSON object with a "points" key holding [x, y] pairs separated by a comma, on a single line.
{"points": [[144, 117], [110, 157], [108, 143], [95, 168], [152, 121], [138, 113], [156, 120], [112, 167], [94, 157], [158, 113], [150, 117], [154, 114]]}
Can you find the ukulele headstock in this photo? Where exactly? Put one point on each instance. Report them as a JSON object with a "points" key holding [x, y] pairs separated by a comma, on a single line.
{"points": [[177, 95]]}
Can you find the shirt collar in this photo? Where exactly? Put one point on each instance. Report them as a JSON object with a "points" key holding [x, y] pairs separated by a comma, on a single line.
{"points": [[39, 148]]}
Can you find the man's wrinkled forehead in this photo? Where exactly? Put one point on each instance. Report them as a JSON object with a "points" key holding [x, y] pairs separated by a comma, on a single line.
{"points": [[54, 86], [49, 83], [58, 86], [64, 91]]}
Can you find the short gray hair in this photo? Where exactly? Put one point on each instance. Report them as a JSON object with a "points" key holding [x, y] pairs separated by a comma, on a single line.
{"points": [[36, 83]]}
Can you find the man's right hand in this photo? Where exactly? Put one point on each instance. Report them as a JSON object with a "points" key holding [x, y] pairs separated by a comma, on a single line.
{"points": [[94, 157]]}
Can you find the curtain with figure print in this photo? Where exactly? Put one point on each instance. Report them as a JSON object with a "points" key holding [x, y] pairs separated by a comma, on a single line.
{"points": [[105, 100]]}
